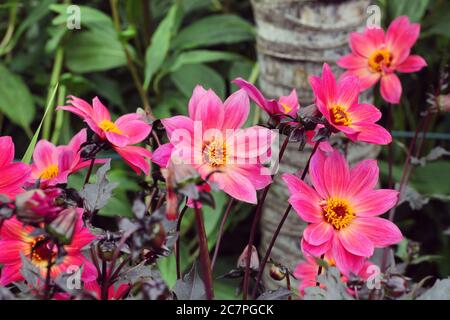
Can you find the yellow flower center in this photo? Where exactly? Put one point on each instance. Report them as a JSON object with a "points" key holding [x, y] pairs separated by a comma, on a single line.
{"points": [[340, 116], [42, 251], [379, 59], [50, 172], [286, 108], [109, 126], [215, 153], [338, 213]]}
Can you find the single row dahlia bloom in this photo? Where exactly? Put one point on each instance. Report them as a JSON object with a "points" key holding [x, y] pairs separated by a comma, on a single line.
{"points": [[212, 141], [342, 209], [53, 164], [338, 102], [12, 175], [306, 272], [377, 55], [285, 105], [17, 238], [123, 134]]}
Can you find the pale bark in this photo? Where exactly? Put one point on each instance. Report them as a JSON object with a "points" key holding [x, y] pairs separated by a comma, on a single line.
{"points": [[295, 38]]}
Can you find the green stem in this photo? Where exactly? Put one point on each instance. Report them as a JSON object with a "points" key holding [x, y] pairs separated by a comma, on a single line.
{"points": [[56, 72], [59, 121]]}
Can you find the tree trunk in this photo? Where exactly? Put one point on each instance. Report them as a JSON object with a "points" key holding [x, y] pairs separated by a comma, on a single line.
{"points": [[295, 38]]}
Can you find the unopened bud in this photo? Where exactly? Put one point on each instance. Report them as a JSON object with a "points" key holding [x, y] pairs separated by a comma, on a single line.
{"points": [[63, 226], [396, 285], [254, 260], [277, 273], [106, 249]]}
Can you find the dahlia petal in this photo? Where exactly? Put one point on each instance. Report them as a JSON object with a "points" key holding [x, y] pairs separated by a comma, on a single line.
{"points": [[364, 112], [183, 126], [161, 155], [11, 249], [13, 177], [250, 143], [372, 133], [258, 175], [100, 112], [412, 64], [391, 88], [306, 210], [363, 177], [400, 37], [136, 157], [376, 36], [346, 262], [337, 174], [315, 251], [366, 78], [89, 272], [355, 242], [317, 173], [381, 232], [6, 151], [236, 185], [197, 95], [291, 101], [135, 130], [318, 233], [297, 186], [328, 84], [13, 229], [374, 202], [360, 44], [352, 61], [236, 109], [44, 154], [117, 139], [87, 163], [253, 93], [121, 290], [210, 111], [10, 273], [347, 91]]}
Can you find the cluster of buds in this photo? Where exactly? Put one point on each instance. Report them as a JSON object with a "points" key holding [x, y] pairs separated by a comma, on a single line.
{"points": [[37, 205]]}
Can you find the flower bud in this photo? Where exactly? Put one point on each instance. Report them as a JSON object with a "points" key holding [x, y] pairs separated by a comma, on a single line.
{"points": [[254, 260], [63, 227], [106, 249], [35, 206], [157, 236], [396, 285], [277, 272]]}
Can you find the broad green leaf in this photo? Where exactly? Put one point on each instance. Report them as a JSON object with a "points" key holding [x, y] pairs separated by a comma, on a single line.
{"points": [[188, 76], [217, 29], [29, 153], [159, 47], [89, 17], [422, 179], [202, 56], [415, 9], [16, 102], [94, 50]]}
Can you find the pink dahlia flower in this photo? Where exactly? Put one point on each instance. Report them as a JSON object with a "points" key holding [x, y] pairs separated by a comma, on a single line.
{"points": [[306, 272], [16, 238], [285, 105], [377, 56], [212, 141], [342, 210], [338, 102], [53, 164], [12, 175], [123, 134]]}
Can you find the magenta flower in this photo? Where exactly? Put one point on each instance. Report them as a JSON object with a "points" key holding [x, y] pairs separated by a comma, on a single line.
{"points": [[123, 134], [376, 55], [306, 272], [338, 102], [212, 141], [342, 210], [285, 105], [53, 164], [12, 175], [16, 238]]}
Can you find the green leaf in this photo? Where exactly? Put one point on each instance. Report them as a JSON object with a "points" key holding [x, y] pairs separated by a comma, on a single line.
{"points": [[415, 9], [212, 217], [94, 50], [29, 153], [188, 76], [16, 102], [423, 182], [217, 29], [202, 56], [160, 44]]}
